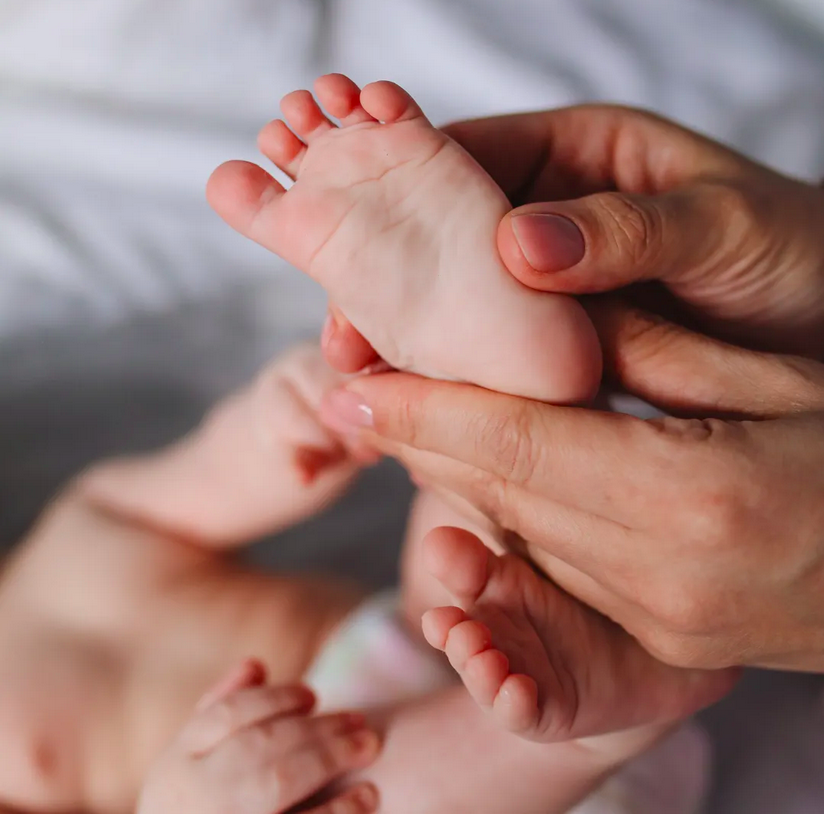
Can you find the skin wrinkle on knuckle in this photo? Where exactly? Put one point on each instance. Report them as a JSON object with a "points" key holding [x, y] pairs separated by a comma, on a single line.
{"points": [[638, 342], [726, 499], [634, 230], [748, 219], [404, 424], [506, 442]]}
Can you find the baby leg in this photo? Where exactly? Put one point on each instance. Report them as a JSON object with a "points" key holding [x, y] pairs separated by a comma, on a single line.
{"points": [[545, 665]]}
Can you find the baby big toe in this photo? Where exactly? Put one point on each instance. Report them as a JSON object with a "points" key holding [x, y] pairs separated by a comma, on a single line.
{"points": [[459, 561], [238, 191], [389, 103]]}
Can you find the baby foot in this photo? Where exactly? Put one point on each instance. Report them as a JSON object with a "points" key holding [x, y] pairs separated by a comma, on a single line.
{"points": [[255, 749], [398, 223], [548, 667]]}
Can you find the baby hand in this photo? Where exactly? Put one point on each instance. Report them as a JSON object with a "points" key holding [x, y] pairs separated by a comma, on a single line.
{"points": [[251, 748]]}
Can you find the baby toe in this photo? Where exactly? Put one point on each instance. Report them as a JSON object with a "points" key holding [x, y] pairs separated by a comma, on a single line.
{"points": [[282, 147], [238, 191], [303, 115], [341, 97], [466, 640], [437, 623], [484, 674], [516, 704], [459, 561]]}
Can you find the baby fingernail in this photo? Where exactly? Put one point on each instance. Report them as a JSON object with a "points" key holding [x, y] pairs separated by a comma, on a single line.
{"points": [[364, 742], [347, 411], [550, 243], [354, 721], [367, 797]]}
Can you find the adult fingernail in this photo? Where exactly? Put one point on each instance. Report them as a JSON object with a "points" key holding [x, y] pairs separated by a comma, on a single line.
{"points": [[550, 243], [345, 411]]}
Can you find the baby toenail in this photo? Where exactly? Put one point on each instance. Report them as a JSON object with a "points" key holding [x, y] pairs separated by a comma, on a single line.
{"points": [[348, 411], [550, 243]]}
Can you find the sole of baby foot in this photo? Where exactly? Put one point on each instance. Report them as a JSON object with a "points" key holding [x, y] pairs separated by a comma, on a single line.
{"points": [[547, 667], [398, 223]]}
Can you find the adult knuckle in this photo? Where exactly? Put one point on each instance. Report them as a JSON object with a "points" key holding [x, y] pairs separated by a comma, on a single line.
{"points": [[746, 215], [738, 203], [506, 440], [643, 347], [710, 480], [681, 608], [675, 649], [723, 500], [635, 229]]}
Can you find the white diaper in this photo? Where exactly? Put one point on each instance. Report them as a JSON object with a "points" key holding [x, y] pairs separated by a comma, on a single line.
{"points": [[371, 660]]}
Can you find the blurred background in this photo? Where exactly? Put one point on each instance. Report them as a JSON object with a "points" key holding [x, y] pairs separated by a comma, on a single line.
{"points": [[127, 307]]}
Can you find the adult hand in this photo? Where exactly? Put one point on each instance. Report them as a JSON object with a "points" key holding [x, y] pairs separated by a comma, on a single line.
{"points": [[634, 198], [702, 537]]}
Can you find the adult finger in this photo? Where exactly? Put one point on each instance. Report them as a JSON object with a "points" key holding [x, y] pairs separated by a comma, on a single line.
{"points": [[597, 462], [686, 373], [575, 151], [609, 240]]}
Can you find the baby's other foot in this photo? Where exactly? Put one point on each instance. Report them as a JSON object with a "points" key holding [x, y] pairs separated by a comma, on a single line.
{"points": [[250, 748], [398, 223], [548, 667]]}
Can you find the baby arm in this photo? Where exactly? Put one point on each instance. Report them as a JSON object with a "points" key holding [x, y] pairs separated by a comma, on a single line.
{"points": [[259, 462]]}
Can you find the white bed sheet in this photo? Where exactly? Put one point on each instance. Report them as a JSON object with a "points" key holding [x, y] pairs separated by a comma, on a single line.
{"points": [[126, 307]]}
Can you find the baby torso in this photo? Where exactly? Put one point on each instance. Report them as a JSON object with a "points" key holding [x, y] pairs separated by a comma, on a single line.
{"points": [[108, 636]]}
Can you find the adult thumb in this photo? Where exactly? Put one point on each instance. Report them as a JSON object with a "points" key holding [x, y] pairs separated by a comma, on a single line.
{"points": [[606, 241], [688, 374]]}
